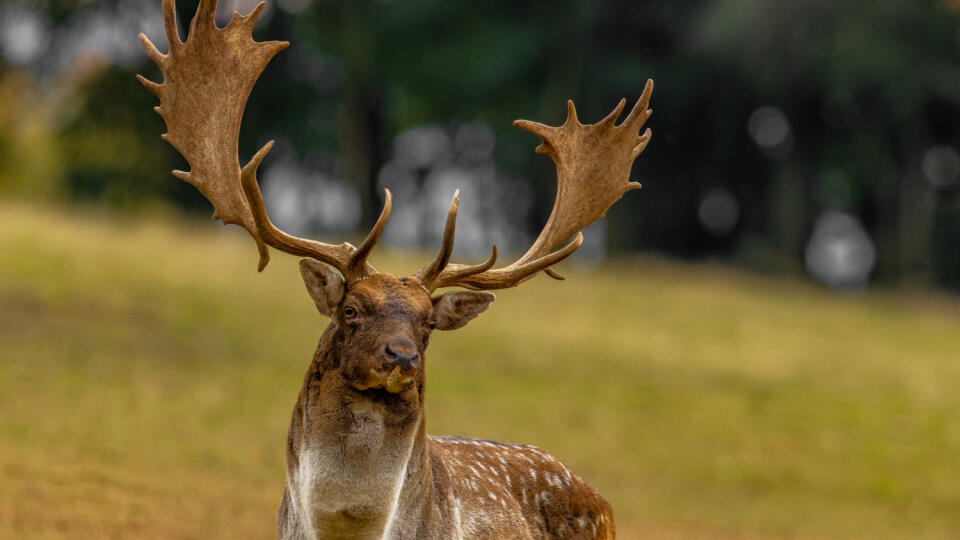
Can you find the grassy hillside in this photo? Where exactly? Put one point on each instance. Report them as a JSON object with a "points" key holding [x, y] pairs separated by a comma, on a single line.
{"points": [[147, 374]]}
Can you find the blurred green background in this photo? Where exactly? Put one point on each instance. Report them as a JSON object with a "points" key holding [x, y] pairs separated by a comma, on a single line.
{"points": [[811, 137], [762, 342]]}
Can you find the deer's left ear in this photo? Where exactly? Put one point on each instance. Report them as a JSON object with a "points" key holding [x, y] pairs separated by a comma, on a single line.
{"points": [[456, 308]]}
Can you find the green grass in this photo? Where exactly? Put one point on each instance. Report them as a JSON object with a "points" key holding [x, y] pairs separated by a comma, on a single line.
{"points": [[147, 374]]}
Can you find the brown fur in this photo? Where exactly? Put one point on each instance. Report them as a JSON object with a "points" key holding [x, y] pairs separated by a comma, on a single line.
{"points": [[451, 487]]}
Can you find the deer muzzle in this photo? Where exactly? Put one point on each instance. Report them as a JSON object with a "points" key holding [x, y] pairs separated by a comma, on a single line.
{"points": [[399, 362], [402, 354], [403, 360]]}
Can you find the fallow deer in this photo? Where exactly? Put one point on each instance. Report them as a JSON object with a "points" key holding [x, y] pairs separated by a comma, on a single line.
{"points": [[359, 461]]}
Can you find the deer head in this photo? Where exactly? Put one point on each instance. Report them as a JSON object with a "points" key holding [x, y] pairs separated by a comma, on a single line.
{"points": [[206, 84], [383, 323], [380, 323]]}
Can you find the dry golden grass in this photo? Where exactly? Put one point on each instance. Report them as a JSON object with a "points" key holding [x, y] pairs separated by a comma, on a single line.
{"points": [[147, 375]]}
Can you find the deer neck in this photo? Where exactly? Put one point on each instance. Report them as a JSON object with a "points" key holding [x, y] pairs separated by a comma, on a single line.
{"points": [[357, 465]]}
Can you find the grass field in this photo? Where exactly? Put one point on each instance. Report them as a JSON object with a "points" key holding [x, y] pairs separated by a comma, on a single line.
{"points": [[147, 375]]}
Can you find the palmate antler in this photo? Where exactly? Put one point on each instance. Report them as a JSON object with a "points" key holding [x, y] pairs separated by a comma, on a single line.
{"points": [[593, 172], [206, 83]]}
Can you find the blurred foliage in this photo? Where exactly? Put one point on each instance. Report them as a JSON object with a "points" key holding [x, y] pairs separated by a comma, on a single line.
{"points": [[866, 89], [30, 160], [111, 148]]}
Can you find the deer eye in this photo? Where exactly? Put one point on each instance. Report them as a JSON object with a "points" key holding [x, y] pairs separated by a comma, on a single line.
{"points": [[432, 324], [349, 312]]}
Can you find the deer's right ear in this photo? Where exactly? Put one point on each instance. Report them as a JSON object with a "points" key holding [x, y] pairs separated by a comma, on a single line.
{"points": [[324, 284]]}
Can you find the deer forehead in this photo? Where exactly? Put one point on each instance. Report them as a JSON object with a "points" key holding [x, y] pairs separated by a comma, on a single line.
{"points": [[388, 293]]}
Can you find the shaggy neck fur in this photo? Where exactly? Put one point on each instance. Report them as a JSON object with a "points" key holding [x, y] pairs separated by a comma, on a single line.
{"points": [[357, 462]]}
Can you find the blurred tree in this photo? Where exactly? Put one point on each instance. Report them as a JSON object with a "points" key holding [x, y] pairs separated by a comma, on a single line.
{"points": [[861, 84], [111, 149], [774, 110]]}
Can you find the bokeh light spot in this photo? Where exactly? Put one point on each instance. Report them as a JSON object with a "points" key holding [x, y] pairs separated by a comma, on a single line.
{"points": [[718, 211], [769, 128], [941, 166], [24, 34], [840, 253]]}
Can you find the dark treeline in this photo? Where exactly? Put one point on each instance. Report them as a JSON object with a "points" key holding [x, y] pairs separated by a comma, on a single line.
{"points": [[787, 134]]}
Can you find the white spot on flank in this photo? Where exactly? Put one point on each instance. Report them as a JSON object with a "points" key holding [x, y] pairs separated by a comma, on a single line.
{"points": [[457, 518], [481, 466], [533, 474], [474, 471], [491, 495], [581, 522], [553, 480], [502, 462], [525, 496], [509, 485]]}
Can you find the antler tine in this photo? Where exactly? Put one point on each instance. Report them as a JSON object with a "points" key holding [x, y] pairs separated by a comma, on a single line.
{"points": [[432, 275], [205, 15], [358, 268], [338, 256], [206, 83], [430, 272], [169, 9], [157, 57], [249, 19], [593, 168], [483, 277], [640, 113], [458, 273], [608, 120]]}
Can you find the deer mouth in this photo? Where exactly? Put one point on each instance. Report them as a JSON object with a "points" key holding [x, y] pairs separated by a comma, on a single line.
{"points": [[393, 382]]}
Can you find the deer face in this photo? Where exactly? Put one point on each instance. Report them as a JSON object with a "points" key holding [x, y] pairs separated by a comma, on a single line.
{"points": [[384, 323]]}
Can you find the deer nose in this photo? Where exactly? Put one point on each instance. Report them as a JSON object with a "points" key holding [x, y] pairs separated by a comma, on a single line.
{"points": [[401, 352]]}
